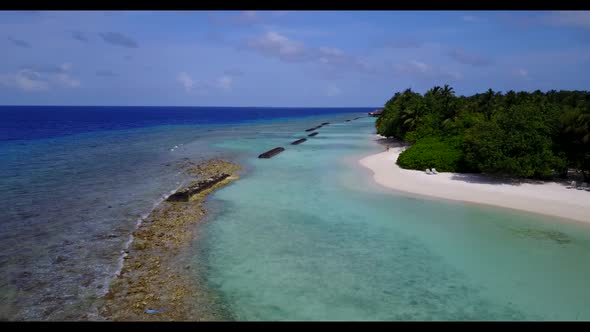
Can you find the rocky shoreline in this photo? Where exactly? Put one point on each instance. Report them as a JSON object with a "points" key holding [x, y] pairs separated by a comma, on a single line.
{"points": [[156, 281]]}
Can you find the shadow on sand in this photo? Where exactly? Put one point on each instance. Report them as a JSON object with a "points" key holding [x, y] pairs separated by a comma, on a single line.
{"points": [[392, 142]]}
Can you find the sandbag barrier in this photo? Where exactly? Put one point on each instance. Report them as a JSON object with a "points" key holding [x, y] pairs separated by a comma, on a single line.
{"points": [[275, 151], [271, 153], [299, 141]]}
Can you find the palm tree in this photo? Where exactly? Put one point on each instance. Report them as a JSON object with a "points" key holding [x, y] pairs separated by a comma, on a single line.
{"points": [[434, 91], [577, 128], [447, 94], [487, 104], [410, 116]]}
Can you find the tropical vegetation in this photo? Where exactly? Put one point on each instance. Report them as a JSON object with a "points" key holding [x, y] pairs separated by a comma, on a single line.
{"points": [[518, 134]]}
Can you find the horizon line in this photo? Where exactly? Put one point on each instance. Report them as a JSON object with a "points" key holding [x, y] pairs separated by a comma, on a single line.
{"points": [[190, 106]]}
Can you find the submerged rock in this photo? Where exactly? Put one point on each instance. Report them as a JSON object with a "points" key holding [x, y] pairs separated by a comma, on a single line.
{"points": [[60, 259]]}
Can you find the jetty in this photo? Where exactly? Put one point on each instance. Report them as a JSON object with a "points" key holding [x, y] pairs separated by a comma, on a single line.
{"points": [[313, 134], [271, 153], [185, 194], [299, 141], [376, 113]]}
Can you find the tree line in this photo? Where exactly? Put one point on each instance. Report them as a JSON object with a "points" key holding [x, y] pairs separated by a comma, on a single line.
{"points": [[518, 134]]}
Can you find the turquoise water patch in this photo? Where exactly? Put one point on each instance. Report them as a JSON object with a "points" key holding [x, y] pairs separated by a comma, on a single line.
{"points": [[307, 235]]}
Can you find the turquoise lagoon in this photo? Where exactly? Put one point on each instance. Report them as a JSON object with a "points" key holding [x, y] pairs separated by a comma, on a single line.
{"points": [[308, 235]]}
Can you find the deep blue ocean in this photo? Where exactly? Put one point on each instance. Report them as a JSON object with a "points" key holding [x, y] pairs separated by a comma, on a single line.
{"points": [[75, 180], [35, 122]]}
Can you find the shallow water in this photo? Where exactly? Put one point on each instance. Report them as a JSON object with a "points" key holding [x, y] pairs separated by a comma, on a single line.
{"points": [[307, 235]]}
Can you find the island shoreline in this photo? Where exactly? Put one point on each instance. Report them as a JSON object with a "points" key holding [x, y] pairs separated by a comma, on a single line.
{"points": [[548, 199]]}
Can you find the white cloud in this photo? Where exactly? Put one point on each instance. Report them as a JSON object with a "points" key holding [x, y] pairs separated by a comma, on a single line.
{"points": [[333, 91], [30, 79], [275, 44], [279, 13], [68, 81], [420, 66], [418, 69], [331, 51], [186, 81], [233, 72], [522, 73], [243, 18], [580, 19], [222, 83], [249, 15], [66, 66], [469, 18], [574, 19], [331, 59], [64, 77], [404, 44], [467, 58], [225, 82]]}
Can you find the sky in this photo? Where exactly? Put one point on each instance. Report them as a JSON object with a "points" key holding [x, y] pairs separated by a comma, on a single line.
{"points": [[283, 58]]}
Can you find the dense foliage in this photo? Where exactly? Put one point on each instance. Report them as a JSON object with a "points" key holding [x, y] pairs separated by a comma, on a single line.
{"points": [[445, 155], [523, 134]]}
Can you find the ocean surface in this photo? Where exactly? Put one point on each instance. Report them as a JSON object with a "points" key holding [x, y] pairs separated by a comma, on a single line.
{"points": [[306, 235]]}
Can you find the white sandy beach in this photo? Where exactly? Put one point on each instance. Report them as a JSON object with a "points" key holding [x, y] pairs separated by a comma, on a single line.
{"points": [[549, 198]]}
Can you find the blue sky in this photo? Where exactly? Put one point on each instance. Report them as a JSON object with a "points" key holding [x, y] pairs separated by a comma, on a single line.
{"points": [[283, 58]]}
